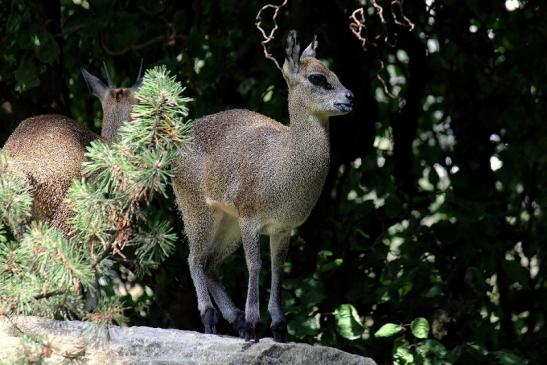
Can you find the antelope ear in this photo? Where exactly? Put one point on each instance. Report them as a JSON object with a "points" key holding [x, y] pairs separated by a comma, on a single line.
{"points": [[310, 50], [292, 50], [95, 85]]}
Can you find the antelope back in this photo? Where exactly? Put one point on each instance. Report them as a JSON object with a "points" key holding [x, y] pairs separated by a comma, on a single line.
{"points": [[49, 149]]}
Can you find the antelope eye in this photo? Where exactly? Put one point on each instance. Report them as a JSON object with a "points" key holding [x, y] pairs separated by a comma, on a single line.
{"points": [[320, 80]]}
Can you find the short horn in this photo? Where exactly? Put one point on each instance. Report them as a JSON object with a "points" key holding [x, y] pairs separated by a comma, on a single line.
{"points": [[310, 50], [138, 81], [108, 79]]}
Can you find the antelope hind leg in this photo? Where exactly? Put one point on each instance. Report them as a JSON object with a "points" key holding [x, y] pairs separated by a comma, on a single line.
{"points": [[227, 240], [198, 229]]}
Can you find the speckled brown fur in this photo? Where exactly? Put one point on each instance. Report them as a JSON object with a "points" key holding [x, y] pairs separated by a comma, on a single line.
{"points": [[50, 169], [50, 150], [117, 104], [249, 175]]}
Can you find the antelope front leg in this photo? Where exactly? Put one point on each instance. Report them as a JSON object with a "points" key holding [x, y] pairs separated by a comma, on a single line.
{"points": [[251, 246], [279, 246]]}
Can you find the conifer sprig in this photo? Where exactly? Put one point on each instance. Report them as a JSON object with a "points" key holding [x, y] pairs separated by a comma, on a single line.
{"points": [[124, 176], [45, 273], [15, 196]]}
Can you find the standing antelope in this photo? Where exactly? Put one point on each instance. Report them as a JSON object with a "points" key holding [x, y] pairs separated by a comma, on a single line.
{"points": [[50, 148], [249, 175]]}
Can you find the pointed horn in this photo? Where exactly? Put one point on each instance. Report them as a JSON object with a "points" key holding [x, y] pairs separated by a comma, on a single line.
{"points": [[138, 81], [108, 79], [310, 50]]}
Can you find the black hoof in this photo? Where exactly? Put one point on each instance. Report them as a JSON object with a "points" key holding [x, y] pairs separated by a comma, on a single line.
{"points": [[209, 318], [239, 324], [279, 331], [250, 331]]}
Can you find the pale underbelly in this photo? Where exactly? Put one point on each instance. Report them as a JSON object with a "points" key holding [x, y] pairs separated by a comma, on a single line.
{"points": [[273, 223]]}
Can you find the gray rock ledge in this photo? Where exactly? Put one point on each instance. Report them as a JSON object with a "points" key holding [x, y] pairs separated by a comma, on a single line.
{"points": [[145, 345]]}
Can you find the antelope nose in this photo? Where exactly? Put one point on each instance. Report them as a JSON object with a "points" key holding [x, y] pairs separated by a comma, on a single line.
{"points": [[350, 96]]}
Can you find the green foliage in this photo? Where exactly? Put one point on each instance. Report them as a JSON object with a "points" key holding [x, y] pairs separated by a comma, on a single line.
{"points": [[419, 349], [15, 197], [48, 248], [309, 293], [155, 242], [2, 233], [109, 311], [40, 272], [124, 176]]}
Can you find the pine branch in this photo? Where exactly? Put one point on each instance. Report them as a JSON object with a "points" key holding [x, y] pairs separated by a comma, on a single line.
{"points": [[15, 196], [56, 258], [126, 174], [48, 295], [44, 272]]}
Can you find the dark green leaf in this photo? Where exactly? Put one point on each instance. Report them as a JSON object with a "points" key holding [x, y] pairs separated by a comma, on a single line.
{"points": [[509, 358], [431, 349], [303, 325], [392, 206], [46, 48], [517, 272], [433, 291], [26, 76], [454, 354]]}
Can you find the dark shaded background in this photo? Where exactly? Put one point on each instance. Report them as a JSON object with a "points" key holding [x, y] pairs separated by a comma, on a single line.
{"points": [[434, 206]]}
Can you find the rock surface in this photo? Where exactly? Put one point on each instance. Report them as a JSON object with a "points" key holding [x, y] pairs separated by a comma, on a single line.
{"points": [[145, 345]]}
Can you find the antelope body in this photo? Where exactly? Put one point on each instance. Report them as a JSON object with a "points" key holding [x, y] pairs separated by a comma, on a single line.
{"points": [[249, 175], [50, 148]]}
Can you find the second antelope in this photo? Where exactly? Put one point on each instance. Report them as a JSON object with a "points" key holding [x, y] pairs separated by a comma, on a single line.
{"points": [[249, 175], [50, 148]]}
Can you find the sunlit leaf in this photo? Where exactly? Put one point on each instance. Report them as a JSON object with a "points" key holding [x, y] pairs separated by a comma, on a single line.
{"points": [[402, 354], [388, 330], [420, 327], [348, 323]]}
